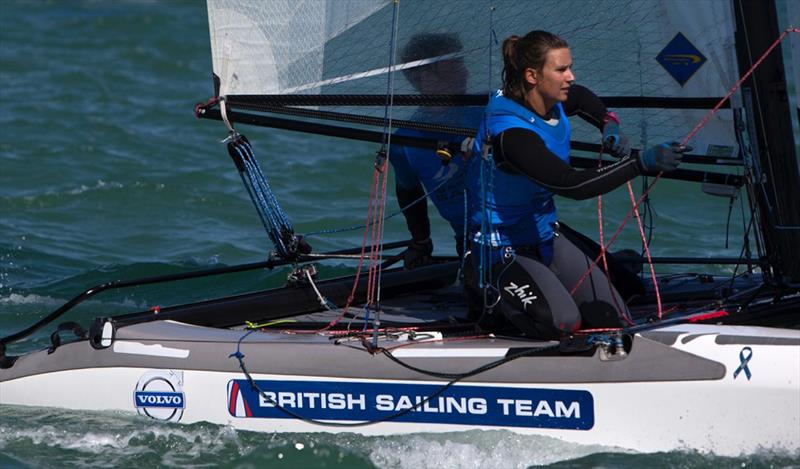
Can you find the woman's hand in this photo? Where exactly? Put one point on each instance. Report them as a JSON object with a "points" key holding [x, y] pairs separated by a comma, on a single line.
{"points": [[665, 157], [614, 141]]}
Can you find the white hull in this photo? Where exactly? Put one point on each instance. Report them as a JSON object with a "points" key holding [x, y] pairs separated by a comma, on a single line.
{"points": [[731, 415]]}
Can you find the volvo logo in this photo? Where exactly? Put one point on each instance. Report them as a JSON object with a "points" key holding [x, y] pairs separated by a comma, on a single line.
{"points": [[159, 395]]}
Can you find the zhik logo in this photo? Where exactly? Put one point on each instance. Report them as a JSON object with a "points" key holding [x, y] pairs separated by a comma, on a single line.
{"points": [[521, 292]]}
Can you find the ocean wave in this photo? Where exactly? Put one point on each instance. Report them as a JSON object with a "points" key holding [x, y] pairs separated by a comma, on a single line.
{"points": [[108, 439], [42, 436], [99, 185]]}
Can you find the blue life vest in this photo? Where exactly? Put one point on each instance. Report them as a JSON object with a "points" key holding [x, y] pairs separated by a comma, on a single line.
{"points": [[522, 212], [414, 165]]}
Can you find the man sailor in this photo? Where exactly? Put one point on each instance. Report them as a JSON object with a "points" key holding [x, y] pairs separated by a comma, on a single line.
{"points": [[419, 171]]}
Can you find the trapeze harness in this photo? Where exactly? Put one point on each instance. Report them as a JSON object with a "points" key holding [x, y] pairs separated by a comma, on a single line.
{"points": [[532, 265]]}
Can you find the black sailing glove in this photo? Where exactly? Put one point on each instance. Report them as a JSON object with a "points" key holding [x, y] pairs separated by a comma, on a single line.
{"points": [[665, 157], [614, 141], [418, 254], [460, 245]]}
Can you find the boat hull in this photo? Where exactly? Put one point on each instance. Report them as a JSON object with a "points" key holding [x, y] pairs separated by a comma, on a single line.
{"points": [[722, 389]]}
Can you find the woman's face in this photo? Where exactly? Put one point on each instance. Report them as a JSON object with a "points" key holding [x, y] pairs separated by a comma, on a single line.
{"points": [[552, 82]]}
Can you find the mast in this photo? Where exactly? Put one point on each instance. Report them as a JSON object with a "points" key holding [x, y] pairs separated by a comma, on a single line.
{"points": [[776, 182]]}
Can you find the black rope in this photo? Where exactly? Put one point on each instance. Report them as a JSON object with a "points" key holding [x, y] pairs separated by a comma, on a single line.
{"points": [[476, 371], [138, 317], [453, 377]]}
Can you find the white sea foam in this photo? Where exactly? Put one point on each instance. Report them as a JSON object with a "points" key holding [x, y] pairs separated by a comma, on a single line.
{"points": [[30, 299], [101, 439], [99, 185], [117, 438], [17, 299], [90, 442], [475, 449]]}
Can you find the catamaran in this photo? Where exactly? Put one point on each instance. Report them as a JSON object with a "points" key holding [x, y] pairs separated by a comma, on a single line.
{"points": [[707, 362]]}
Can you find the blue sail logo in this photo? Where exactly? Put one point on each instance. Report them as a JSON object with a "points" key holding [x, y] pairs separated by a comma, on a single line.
{"points": [[681, 59]]}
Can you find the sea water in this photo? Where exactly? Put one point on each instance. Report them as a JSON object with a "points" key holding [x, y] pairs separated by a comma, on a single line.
{"points": [[106, 174]]}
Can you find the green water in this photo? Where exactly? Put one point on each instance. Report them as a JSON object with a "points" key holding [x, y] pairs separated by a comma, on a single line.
{"points": [[106, 174]]}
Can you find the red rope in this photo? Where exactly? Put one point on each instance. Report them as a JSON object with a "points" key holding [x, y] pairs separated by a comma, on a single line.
{"points": [[373, 283], [616, 233], [635, 205], [620, 309], [381, 218], [736, 86], [367, 227], [646, 248]]}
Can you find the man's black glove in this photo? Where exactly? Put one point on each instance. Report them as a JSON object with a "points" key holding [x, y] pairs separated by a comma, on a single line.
{"points": [[418, 254], [460, 246]]}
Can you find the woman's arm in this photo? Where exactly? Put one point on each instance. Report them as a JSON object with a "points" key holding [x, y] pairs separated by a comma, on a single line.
{"points": [[586, 105], [523, 151]]}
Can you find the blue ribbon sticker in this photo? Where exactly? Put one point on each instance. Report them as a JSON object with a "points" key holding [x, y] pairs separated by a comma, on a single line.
{"points": [[743, 361]]}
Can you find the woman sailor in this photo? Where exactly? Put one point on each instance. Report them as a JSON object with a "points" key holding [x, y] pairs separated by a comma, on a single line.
{"points": [[519, 264]]}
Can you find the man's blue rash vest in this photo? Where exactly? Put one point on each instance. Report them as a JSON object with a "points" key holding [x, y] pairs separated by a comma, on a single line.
{"points": [[522, 212], [414, 165]]}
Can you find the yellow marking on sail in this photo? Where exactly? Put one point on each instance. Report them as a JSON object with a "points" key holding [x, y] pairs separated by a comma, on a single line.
{"points": [[683, 58]]}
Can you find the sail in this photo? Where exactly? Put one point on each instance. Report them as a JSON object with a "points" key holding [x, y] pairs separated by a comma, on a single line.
{"points": [[650, 60], [272, 47]]}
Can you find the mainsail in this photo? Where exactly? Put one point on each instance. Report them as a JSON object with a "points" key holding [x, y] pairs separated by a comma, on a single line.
{"points": [[631, 53], [661, 65]]}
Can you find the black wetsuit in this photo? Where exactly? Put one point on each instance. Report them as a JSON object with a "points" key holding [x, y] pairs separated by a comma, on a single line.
{"points": [[522, 151], [534, 276]]}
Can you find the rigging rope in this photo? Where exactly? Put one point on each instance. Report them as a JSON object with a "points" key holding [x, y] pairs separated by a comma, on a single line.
{"points": [[424, 196], [620, 310], [275, 221], [382, 174], [377, 202], [635, 203], [646, 248], [484, 237]]}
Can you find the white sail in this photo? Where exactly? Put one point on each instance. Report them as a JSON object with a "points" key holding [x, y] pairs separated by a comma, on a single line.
{"points": [[621, 48], [264, 47]]}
